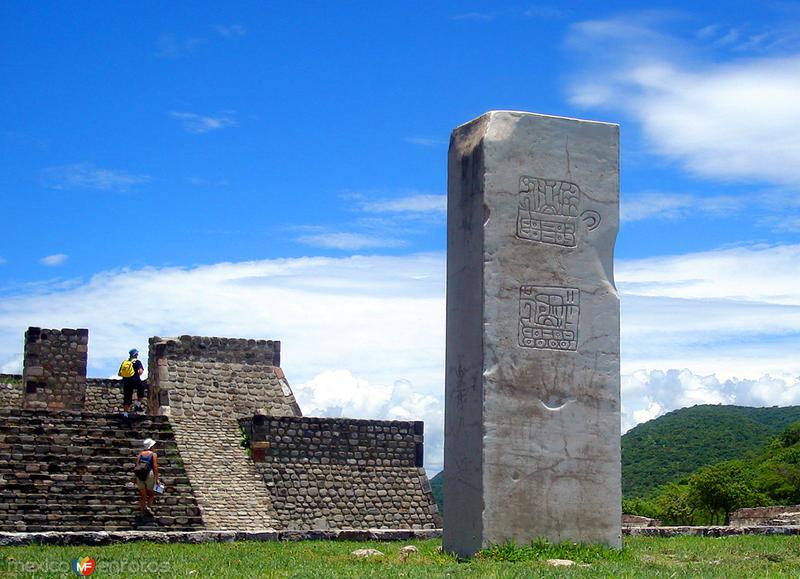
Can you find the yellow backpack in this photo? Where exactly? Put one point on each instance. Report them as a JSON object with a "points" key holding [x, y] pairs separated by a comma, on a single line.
{"points": [[126, 369]]}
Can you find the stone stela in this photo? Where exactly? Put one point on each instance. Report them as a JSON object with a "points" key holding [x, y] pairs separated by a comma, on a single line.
{"points": [[532, 412]]}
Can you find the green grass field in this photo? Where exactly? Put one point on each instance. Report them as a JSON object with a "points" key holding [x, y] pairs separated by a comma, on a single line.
{"points": [[741, 556]]}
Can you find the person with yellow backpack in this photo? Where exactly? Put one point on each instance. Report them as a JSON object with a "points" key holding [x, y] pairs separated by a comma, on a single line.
{"points": [[131, 371]]}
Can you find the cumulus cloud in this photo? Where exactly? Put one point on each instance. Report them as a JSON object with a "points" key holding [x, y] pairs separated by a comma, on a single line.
{"points": [[739, 120], [648, 395], [53, 260], [88, 176], [198, 124]]}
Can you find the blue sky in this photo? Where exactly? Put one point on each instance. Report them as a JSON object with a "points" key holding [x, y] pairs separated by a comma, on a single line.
{"points": [[279, 171]]}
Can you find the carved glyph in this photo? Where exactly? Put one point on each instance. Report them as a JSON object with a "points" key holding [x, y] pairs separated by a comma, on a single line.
{"points": [[549, 212], [548, 317]]}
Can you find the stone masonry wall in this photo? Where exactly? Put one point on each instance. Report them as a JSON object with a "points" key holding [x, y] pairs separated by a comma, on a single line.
{"points": [[10, 391], [762, 515], [338, 440], [218, 377], [54, 368], [104, 395], [330, 473]]}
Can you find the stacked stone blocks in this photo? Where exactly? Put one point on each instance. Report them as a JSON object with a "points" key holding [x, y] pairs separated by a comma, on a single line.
{"points": [[54, 372], [218, 377], [339, 473]]}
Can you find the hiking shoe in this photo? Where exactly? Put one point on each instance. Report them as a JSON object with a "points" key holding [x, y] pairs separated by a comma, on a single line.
{"points": [[149, 511]]}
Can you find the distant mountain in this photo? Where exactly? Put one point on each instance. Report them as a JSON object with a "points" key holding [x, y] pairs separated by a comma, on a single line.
{"points": [[679, 442], [437, 486]]}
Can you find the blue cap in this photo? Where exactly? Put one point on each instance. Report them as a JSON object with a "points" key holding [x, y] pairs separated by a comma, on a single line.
{"points": [[133, 352]]}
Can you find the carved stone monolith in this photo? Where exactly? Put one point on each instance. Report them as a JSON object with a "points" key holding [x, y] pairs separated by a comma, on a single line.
{"points": [[532, 408]]}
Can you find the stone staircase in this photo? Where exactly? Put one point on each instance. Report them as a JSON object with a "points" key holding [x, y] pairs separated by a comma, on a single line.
{"points": [[73, 471], [228, 487]]}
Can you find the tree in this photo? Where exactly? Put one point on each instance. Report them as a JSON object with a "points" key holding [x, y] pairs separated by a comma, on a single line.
{"points": [[723, 487], [677, 503]]}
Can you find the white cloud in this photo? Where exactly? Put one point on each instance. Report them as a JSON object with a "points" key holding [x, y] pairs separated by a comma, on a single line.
{"points": [[197, 124], [654, 205], [734, 121], [763, 273], [418, 203], [231, 31], [647, 395], [53, 260], [731, 312], [12, 365], [88, 176], [349, 241]]}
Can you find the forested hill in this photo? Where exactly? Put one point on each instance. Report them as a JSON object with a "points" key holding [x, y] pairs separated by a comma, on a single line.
{"points": [[678, 443]]}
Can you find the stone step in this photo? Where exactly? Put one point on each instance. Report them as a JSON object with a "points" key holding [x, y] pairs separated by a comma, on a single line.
{"points": [[21, 461], [93, 510], [30, 436], [32, 502], [134, 423], [88, 486]]}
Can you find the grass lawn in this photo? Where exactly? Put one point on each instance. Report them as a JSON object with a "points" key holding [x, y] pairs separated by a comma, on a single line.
{"points": [[741, 556]]}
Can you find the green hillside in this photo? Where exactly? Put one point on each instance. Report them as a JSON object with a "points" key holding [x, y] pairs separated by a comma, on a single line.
{"points": [[437, 486], [674, 445], [680, 442]]}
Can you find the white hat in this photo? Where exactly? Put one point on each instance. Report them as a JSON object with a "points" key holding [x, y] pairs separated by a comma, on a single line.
{"points": [[148, 443]]}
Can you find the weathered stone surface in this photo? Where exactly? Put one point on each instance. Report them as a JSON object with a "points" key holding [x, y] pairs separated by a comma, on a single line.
{"points": [[337, 473], [218, 377], [225, 481], [105, 395], [638, 521], [711, 531], [766, 516], [54, 368], [532, 425]]}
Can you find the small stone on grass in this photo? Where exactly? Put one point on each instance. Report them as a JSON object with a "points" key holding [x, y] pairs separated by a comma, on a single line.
{"points": [[364, 553], [560, 562]]}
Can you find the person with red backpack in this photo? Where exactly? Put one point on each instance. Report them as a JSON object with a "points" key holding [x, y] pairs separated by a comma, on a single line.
{"points": [[131, 371]]}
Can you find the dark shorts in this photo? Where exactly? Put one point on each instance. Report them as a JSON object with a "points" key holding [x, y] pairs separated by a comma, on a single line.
{"points": [[128, 387]]}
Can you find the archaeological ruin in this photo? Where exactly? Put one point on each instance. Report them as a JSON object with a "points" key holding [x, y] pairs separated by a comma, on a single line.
{"points": [[235, 451]]}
